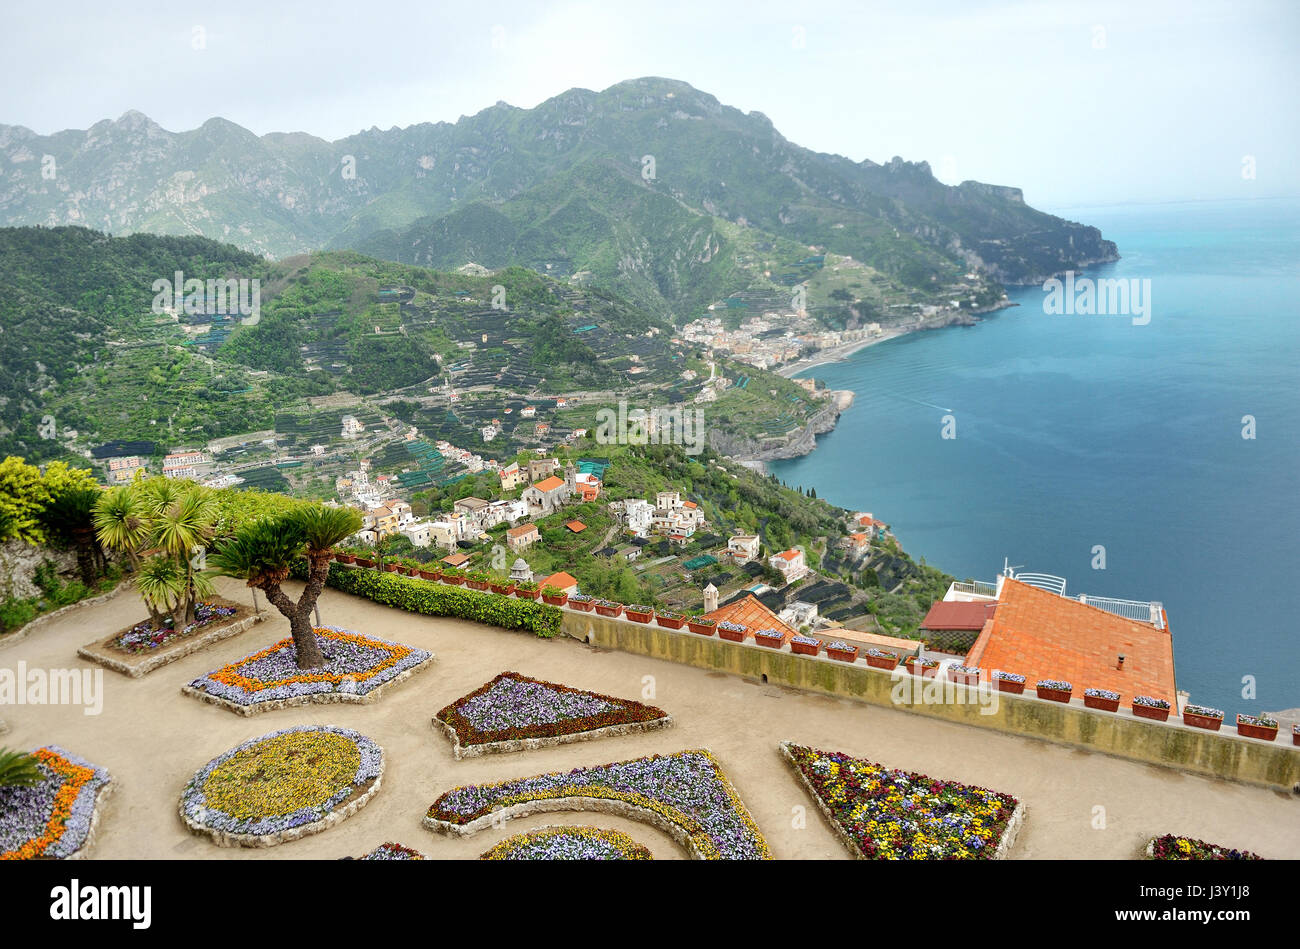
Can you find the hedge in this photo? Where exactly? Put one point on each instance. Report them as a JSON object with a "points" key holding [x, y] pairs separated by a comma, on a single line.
{"points": [[434, 599]]}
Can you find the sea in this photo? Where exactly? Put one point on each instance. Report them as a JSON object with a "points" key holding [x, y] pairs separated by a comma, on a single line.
{"points": [[1143, 456]]}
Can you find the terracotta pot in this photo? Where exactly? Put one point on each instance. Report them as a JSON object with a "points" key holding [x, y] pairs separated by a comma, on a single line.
{"points": [[1054, 695], [345, 558], [638, 617], [843, 655], [527, 594], [505, 589], [585, 606], [732, 635], [883, 662], [1263, 732], [805, 649], [610, 610], [1202, 721], [772, 642], [928, 672], [476, 584], [453, 581], [669, 622], [1015, 688], [430, 574], [1295, 738], [964, 678], [704, 629], [1095, 701], [390, 567], [556, 600], [1146, 711], [365, 562]]}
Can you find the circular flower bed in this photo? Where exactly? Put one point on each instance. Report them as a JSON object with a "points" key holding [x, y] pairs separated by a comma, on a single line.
{"points": [[356, 669], [569, 843], [283, 786], [53, 819]]}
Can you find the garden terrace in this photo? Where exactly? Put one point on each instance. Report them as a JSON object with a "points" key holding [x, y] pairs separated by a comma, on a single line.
{"points": [[153, 739]]}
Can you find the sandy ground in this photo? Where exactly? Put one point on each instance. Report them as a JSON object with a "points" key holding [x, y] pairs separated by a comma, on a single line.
{"points": [[152, 739]]}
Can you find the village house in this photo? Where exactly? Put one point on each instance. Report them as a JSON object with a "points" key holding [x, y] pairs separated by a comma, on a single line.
{"points": [[457, 560], [444, 533], [419, 533], [122, 470], [790, 564], [743, 548], [521, 537], [858, 543], [186, 464], [674, 518], [546, 497], [512, 476], [564, 582], [586, 486], [542, 468], [635, 514]]}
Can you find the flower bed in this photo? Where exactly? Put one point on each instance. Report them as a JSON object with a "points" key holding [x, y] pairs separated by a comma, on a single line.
{"points": [[805, 645], [1103, 699], [880, 659], [732, 632], [516, 713], [392, 851], [1173, 847], [1198, 716], [842, 651], [685, 795], [142, 637], [569, 843], [1054, 690], [1145, 706], [1012, 682], [356, 669], [283, 786], [56, 818], [1257, 726], [139, 650], [882, 814]]}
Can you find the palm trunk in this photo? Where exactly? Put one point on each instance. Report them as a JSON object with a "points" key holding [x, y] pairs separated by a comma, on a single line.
{"points": [[306, 649]]}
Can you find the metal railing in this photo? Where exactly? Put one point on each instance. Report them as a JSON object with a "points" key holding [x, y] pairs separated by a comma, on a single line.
{"points": [[1141, 611], [975, 587]]}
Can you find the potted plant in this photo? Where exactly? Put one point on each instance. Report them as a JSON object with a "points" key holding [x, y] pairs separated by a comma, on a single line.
{"points": [[1257, 726], [702, 625], [582, 602], [805, 645], [732, 632], [770, 638], [842, 651], [502, 585], [669, 619], [964, 675], [1054, 690], [554, 595], [430, 571], [344, 555], [1146, 706], [638, 613], [879, 659], [928, 667], [1104, 699], [453, 576], [1012, 682], [1200, 716], [527, 590], [608, 608], [1295, 734], [390, 566], [476, 580]]}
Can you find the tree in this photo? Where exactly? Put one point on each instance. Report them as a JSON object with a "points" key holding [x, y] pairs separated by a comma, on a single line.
{"points": [[262, 553], [23, 495], [70, 517]]}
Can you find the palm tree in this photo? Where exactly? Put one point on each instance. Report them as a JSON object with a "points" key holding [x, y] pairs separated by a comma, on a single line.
{"points": [[19, 770], [121, 520], [70, 516], [324, 528], [183, 526]]}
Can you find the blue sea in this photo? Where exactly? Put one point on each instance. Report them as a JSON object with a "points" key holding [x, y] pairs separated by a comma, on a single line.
{"points": [[1075, 432]]}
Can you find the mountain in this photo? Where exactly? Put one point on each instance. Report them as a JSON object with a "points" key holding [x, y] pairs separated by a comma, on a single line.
{"points": [[650, 186]]}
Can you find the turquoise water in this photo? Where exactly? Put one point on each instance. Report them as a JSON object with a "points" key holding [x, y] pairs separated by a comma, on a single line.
{"points": [[1078, 431]]}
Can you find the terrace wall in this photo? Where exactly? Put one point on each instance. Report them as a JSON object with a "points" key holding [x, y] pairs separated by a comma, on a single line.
{"points": [[1172, 744]]}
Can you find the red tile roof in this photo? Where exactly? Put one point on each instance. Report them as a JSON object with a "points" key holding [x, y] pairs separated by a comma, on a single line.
{"points": [[561, 580], [576, 526], [550, 484], [749, 611], [788, 554], [521, 530], [1045, 636], [958, 615]]}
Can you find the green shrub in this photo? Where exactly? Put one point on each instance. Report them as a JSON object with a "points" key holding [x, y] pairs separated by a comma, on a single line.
{"points": [[433, 599], [15, 613]]}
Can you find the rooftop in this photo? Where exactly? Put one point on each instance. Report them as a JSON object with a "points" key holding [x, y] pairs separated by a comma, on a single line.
{"points": [[550, 484], [957, 614], [748, 611], [1043, 635]]}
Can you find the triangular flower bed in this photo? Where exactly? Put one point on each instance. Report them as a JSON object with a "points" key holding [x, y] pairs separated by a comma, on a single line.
{"points": [[686, 795], [357, 669], [516, 713], [55, 818], [883, 814]]}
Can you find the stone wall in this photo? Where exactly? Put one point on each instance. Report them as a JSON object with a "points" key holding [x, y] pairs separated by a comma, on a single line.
{"points": [[18, 563], [1172, 744]]}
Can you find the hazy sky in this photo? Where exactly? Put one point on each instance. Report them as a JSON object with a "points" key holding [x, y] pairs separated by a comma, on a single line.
{"points": [[1076, 102]]}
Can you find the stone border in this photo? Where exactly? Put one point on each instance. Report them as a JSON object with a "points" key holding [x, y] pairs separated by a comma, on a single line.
{"points": [[570, 827], [225, 839], [1004, 843], [499, 817], [315, 698], [22, 632], [146, 662], [533, 744], [101, 796]]}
